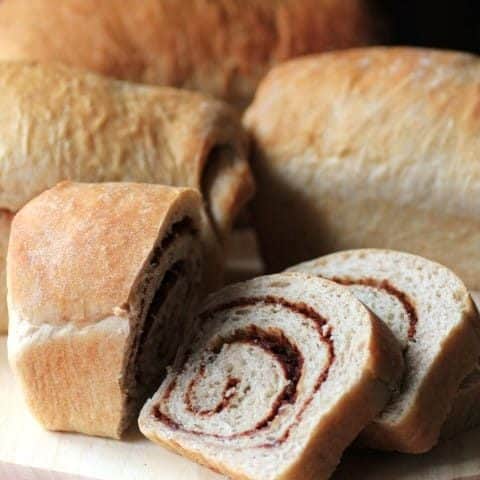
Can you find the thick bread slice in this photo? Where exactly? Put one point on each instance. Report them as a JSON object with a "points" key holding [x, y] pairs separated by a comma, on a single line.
{"points": [[101, 280], [433, 316], [285, 373]]}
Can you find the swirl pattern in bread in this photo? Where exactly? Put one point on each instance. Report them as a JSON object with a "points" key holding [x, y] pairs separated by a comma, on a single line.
{"points": [[435, 320], [285, 372]]}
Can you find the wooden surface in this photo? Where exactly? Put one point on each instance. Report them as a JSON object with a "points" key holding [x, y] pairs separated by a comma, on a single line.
{"points": [[29, 453]]}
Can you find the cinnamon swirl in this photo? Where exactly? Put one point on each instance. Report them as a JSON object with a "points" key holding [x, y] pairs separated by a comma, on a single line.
{"points": [[286, 371], [435, 320]]}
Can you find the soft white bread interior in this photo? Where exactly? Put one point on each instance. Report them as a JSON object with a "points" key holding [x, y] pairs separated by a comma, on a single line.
{"points": [[101, 282], [433, 316], [286, 371]]}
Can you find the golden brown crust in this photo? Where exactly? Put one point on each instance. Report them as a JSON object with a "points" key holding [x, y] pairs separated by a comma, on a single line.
{"points": [[77, 257], [221, 47], [100, 221], [71, 381], [465, 412], [59, 123], [382, 152]]}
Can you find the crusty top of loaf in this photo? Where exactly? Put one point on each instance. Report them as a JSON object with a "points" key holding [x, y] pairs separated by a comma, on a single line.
{"points": [[76, 250], [221, 47], [382, 113], [58, 123]]}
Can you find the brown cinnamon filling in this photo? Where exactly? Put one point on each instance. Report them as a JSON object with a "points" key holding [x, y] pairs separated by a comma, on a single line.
{"points": [[184, 226], [279, 346], [227, 396], [276, 344], [387, 287], [169, 281], [145, 376], [165, 419]]}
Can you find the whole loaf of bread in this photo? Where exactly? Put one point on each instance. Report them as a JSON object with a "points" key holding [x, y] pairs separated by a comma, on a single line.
{"points": [[102, 282], [59, 123], [375, 147], [222, 47]]}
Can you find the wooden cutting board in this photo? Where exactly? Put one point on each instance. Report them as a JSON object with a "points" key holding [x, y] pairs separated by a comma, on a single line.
{"points": [[29, 453]]}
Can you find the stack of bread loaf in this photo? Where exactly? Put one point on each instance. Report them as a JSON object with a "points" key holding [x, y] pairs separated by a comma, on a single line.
{"points": [[118, 199]]}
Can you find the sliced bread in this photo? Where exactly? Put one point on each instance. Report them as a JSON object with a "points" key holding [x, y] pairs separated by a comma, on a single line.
{"points": [[433, 316], [285, 373]]}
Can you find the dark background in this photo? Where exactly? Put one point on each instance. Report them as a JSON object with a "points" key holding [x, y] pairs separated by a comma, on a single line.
{"points": [[453, 24]]}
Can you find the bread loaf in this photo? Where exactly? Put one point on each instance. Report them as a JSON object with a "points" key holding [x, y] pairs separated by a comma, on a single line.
{"points": [[102, 279], [374, 147], [221, 47], [58, 123], [435, 320], [285, 372]]}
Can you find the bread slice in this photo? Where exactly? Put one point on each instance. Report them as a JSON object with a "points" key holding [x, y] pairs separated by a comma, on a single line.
{"points": [[285, 373], [101, 281], [433, 316]]}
